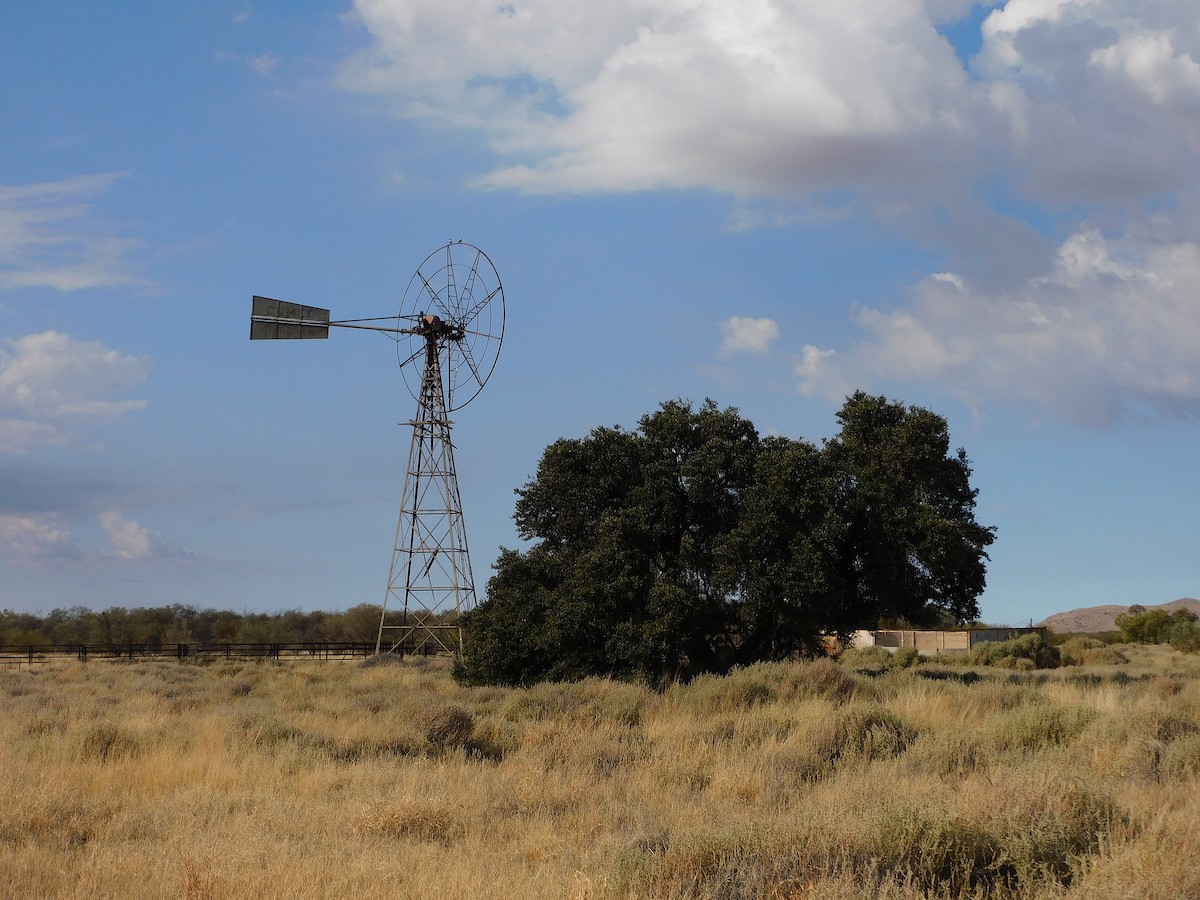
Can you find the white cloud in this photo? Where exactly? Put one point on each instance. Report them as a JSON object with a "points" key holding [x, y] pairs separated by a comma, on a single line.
{"points": [[749, 98], [1102, 97], [769, 97], [35, 539], [132, 540], [53, 375], [766, 95], [50, 238], [264, 64], [1112, 331], [741, 334], [18, 436], [1151, 62], [129, 539]]}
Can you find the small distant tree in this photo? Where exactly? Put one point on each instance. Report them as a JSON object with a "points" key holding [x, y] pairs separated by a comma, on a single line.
{"points": [[21, 629], [358, 623], [69, 626]]}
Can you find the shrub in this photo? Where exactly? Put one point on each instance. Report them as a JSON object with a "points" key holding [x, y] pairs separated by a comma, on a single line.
{"points": [[1032, 647], [906, 658], [1073, 648], [868, 732], [1182, 758], [1166, 685], [1044, 829], [1185, 636], [590, 701], [824, 678], [1104, 656], [382, 659], [432, 821], [447, 726], [1032, 728], [949, 757], [931, 849], [265, 731], [867, 660], [740, 689], [105, 741]]}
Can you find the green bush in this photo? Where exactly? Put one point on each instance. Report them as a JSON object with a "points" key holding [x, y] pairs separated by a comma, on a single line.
{"points": [[864, 657], [906, 658], [1072, 649], [1031, 647], [1180, 628], [1104, 656], [1185, 636]]}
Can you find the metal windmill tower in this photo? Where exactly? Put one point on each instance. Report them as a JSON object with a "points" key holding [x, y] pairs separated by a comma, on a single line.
{"points": [[448, 334]]}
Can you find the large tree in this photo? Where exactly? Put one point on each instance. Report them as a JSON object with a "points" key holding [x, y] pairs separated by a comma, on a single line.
{"points": [[692, 545]]}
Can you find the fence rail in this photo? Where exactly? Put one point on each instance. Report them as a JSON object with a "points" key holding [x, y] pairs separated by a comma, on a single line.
{"points": [[35, 654]]}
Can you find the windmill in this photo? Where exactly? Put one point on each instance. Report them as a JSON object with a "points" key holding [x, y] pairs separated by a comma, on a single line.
{"points": [[448, 334]]}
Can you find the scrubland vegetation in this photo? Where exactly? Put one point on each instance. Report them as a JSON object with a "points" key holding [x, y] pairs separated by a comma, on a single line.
{"points": [[781, 780], [180, 623]]}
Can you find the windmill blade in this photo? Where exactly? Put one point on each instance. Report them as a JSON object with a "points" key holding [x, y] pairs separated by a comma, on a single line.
{"points": [[470, 360], [446, 314], [475, 310]]}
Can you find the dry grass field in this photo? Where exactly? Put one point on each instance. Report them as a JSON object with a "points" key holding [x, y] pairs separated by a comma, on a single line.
{"points": [[154, 779]]}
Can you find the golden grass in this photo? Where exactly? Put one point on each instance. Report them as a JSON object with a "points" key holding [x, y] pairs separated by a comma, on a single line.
{"points": [[800, 780]]}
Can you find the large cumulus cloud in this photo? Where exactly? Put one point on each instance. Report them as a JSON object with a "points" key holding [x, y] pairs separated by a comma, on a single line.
{"points": [[1053, 171]]}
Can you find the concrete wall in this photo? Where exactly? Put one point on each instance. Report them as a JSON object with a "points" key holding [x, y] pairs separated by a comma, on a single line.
{"points": [[931, 643]]}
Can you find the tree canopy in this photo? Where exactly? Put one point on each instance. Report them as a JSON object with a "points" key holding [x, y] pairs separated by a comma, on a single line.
{"points": [[692, 544]]}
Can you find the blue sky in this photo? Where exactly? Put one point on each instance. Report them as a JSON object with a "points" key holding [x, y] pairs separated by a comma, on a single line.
{"points": [[987, 209]]}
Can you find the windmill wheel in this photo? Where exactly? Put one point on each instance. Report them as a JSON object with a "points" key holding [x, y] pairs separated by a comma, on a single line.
{"points": [[456, 301]]}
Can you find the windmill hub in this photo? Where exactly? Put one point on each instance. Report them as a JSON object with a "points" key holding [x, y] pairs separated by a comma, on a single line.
{"points": [[433, 326]]}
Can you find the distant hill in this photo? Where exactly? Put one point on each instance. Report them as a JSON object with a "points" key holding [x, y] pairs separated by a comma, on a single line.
{"points": [[1100, 618]]}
